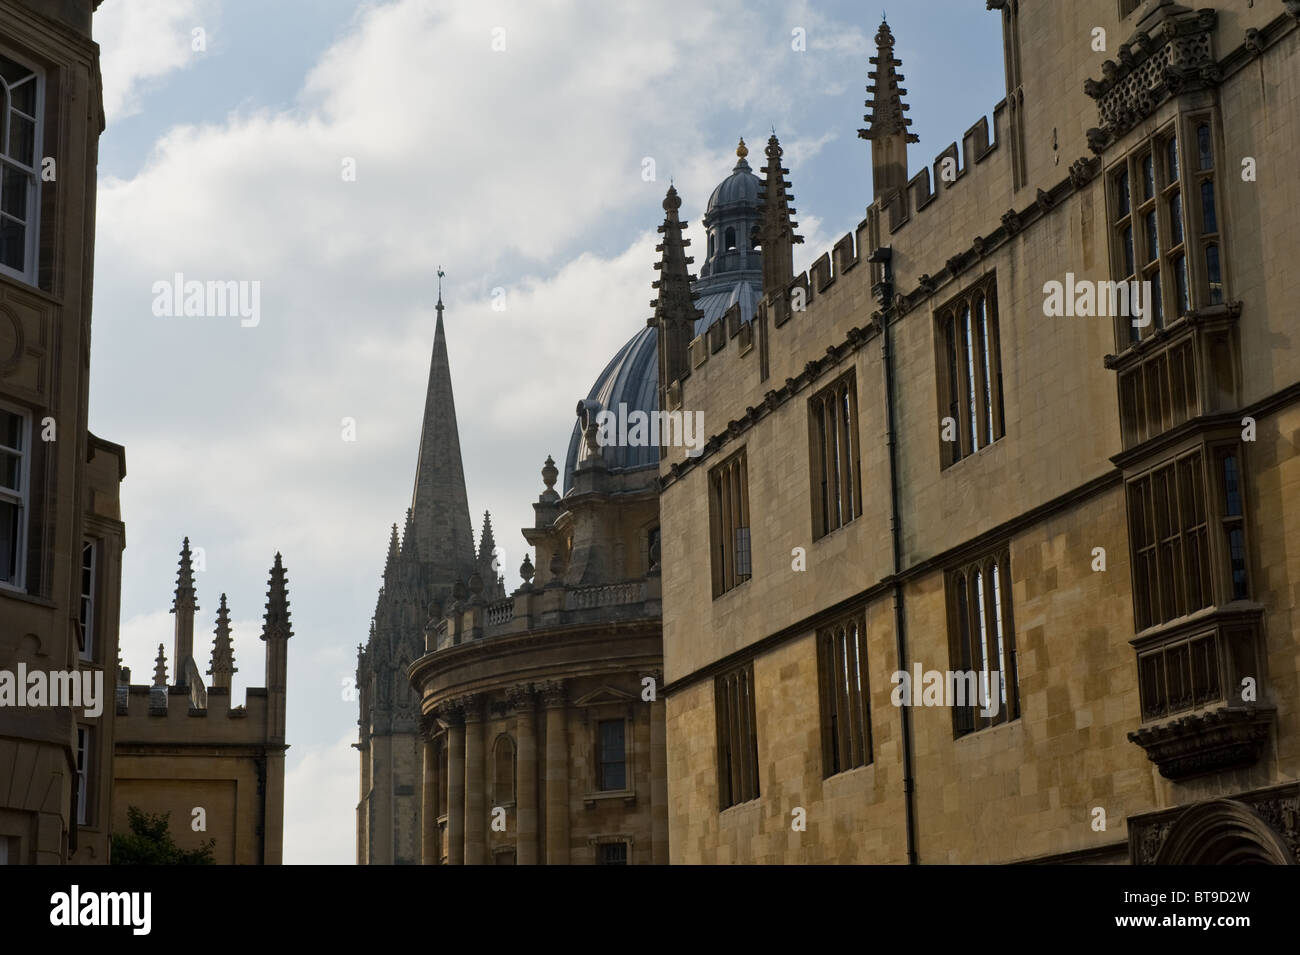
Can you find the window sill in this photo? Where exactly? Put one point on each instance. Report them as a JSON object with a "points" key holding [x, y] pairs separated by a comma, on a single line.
{"points": [[8, 278], [8, 590], [627, 795], [974, 454], [835, 530], [985, 730], [749, 805], [725, 593]]}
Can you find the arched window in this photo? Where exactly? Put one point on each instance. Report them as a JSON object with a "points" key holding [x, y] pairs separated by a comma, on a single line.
{"points": [[729, 239], [503, 771], [711, 244]]}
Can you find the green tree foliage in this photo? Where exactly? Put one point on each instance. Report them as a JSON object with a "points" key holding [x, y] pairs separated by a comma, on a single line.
{"points": [[150, 843]]}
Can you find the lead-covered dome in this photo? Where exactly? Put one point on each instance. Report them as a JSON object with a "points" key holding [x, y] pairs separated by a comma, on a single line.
{"points": [[732, 274], [632, 379]]}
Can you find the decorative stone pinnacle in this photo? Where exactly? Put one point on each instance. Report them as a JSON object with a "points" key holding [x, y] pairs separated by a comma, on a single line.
{"points": [[184, 578], [277, 603], [160, 668]]}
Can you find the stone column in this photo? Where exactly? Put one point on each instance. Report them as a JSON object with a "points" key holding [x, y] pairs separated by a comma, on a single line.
{"points": [[557, 773], [475, 815], [658, 777], [524, 700], [455, 786], [429, 849]]}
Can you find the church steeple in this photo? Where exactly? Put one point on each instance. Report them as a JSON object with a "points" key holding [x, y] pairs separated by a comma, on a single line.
{"points": [[439, 504], [776, 235], [675, 312], [886, 124]]}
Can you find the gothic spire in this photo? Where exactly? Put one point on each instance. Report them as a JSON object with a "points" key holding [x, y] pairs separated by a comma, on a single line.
{"points": [[223, 654], [776, 235], [439, 503], [675, 313], [886, 124]]}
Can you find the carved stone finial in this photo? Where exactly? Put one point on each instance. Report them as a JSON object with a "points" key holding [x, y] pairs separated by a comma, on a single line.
{"points": [[527, 571], [160, 668]]}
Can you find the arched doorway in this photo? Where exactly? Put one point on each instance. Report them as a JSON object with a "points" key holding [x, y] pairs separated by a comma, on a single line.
{"points": [[1223, 832]]}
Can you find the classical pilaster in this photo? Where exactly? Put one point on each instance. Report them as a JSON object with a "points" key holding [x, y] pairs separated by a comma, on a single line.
{"points": [[454, 716], [429, 848], [524, 700], [557, 772], [658, 777], [475, 814]]}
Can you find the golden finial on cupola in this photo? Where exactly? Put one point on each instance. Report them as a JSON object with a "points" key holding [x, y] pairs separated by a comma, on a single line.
{"points": [[742, 150]]}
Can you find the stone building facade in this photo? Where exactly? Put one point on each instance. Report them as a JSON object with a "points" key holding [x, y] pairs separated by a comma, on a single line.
{"points": [[180, 745], [61, 533], [918, 464]]}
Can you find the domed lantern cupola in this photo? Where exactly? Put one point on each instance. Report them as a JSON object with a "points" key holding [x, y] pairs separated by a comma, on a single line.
{"points": [[732, 273], [730, 219]]}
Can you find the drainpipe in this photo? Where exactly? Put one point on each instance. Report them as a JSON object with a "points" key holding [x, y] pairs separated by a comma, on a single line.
{"points": [[884, 292]]}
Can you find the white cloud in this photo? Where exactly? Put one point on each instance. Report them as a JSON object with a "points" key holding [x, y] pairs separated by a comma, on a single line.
{"points": [[519, 169], [142, 41], [320, 796]]}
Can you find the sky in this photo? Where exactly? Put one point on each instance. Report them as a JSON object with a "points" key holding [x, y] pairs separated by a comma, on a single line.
{"points": [[520, 170]]}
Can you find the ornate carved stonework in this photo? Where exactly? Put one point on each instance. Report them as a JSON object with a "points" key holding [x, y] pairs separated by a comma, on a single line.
{"points": [[1172, 55], [1262, 826], [521, 696], [553, 693], [1226, 738], [471, 706], [1082, 170]]}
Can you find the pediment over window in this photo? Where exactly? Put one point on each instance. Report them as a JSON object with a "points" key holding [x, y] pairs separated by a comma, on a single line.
{"points": [[604, 694]]}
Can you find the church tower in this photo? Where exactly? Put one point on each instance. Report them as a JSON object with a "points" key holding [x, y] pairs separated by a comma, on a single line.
{"points": [[433, 554]]}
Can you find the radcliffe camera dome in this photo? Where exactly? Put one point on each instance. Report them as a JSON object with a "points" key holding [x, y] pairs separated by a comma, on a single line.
{"points": [[631, 378], [732, 274]]}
